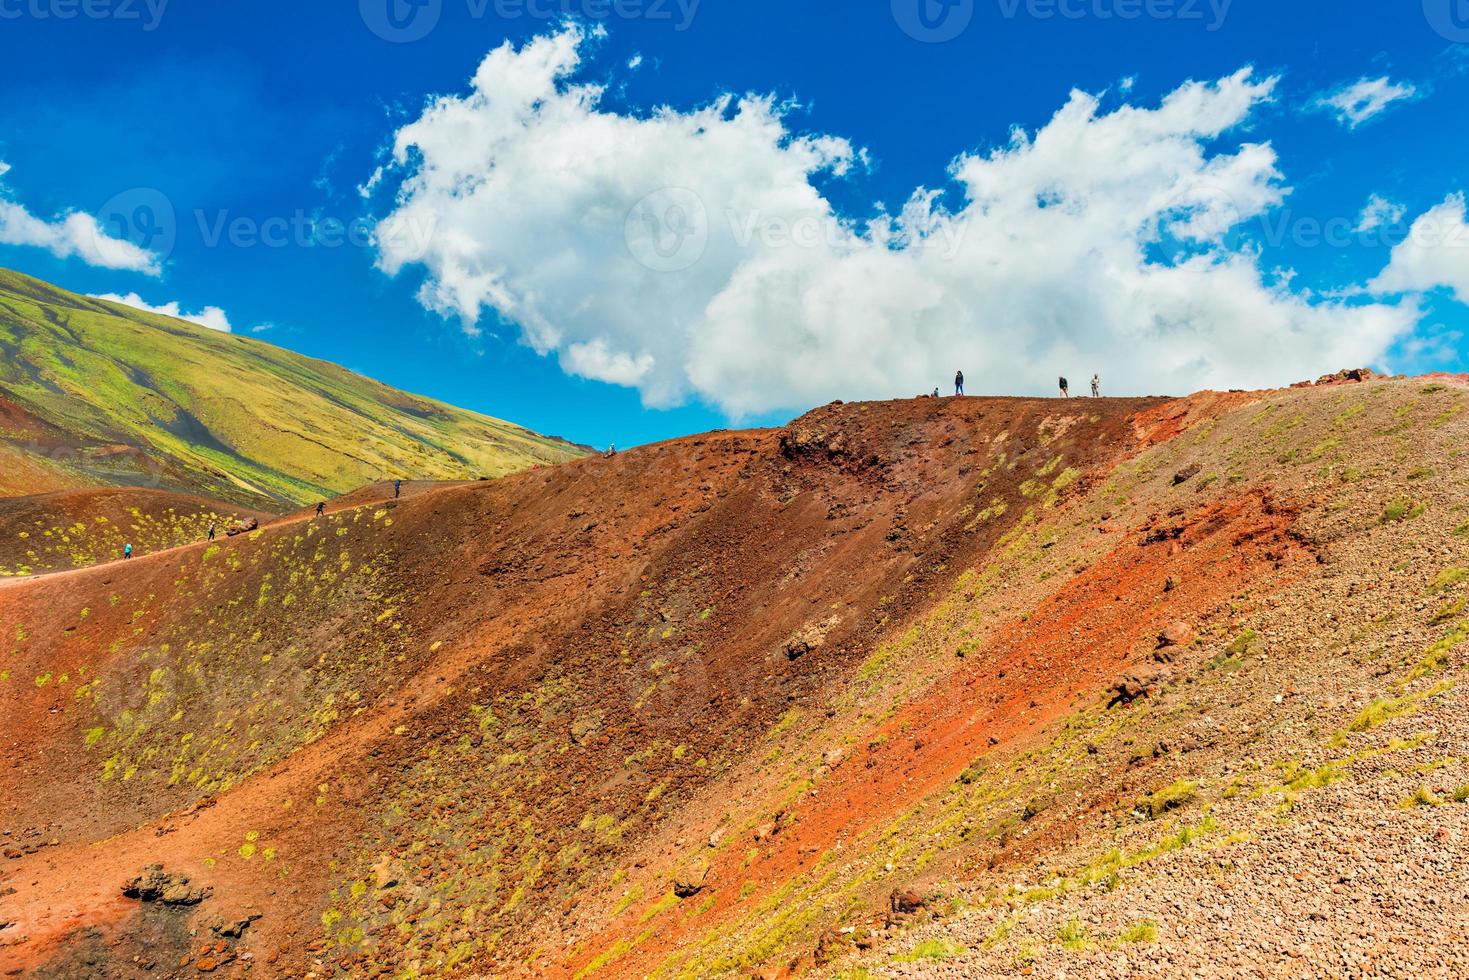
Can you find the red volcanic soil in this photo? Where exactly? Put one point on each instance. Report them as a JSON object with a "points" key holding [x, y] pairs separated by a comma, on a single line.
{"points": [[1095, 627], [413, 733]]}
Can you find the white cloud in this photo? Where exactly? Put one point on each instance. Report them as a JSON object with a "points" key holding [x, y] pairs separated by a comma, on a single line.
{"points": [[1380, 213], [71, 234], [635, 62], [211, 316], [1362, 100], [1434, 255], [1099, 242]]}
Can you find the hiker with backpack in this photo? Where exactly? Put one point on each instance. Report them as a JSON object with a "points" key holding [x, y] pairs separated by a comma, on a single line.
{"points": [[1065, 389], [320, 508], [211, 530], [127, 551], [397, 489], [959, 384]]}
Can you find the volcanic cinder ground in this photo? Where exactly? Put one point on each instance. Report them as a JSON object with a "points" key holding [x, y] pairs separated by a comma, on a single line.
{"points": [[941, 687]]}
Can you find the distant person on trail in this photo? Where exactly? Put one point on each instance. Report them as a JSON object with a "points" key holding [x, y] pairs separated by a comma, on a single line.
{"points": [[1096, 386], [397, 489], [959, 385], [211, 530], [1065, 389], [321, 508], [935, 393], [127, 551], [611, 451]]}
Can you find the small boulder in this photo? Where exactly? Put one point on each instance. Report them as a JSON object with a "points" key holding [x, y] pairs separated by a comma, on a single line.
{"points": [[1187, 473], [905, 901], [242, 527], [797, 648], [1130, 687], [1176, 634], [231, 927], [808, 639], [689, 881], [155, 885]]}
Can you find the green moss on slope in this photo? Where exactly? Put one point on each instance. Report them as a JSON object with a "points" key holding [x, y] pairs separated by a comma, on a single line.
{"points": [[228, 415]]}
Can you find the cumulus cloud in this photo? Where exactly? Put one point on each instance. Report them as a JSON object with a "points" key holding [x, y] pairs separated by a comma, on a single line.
{"points": [[695, 253], [1380, 213], [1365, 99], [71, 234], [1434, 255], [210, 316]]}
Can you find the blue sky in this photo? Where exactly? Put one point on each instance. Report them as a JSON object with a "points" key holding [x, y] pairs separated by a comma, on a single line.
{"points": [[277, 113]]}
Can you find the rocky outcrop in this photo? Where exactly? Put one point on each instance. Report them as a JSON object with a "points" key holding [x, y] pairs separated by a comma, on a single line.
{"points": [[156, 885]]}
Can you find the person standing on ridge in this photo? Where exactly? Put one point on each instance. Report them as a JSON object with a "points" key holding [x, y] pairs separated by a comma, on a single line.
{"points": [[321, 508], [1096, 386], [127, 550], [1065, 389], [211, 530], [397, 489], [959, 384]]}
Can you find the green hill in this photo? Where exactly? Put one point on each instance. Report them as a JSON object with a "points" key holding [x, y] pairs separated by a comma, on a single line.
{"points": [[93, 393]]}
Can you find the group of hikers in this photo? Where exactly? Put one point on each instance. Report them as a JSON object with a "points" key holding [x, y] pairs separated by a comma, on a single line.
{"points": [[1065, 386], [127, 548]]}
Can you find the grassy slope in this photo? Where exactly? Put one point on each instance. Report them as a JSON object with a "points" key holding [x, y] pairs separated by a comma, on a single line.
{"points": [[228, 415]]}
